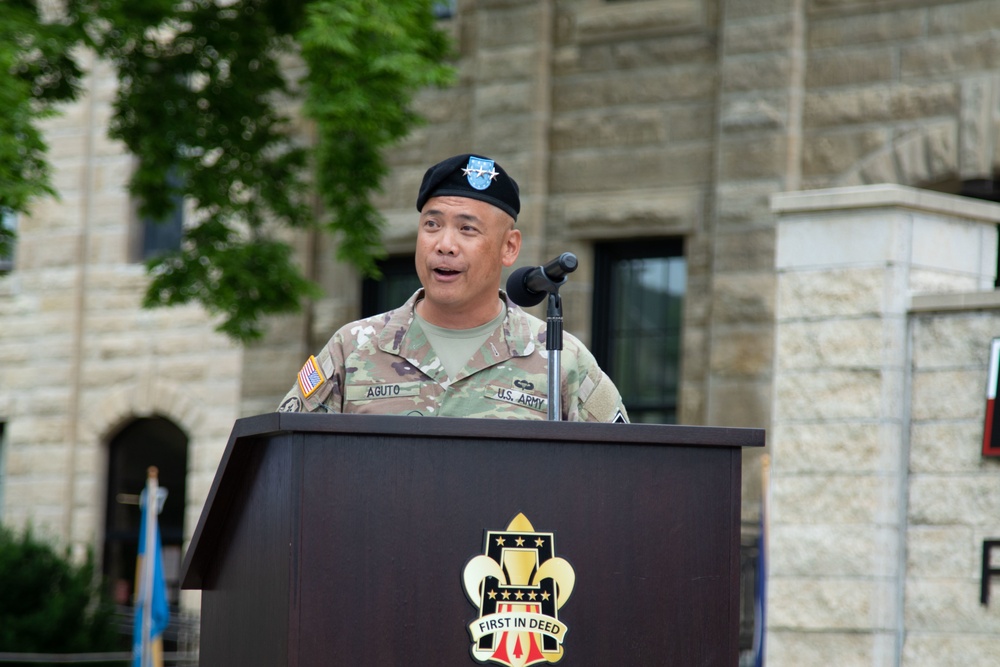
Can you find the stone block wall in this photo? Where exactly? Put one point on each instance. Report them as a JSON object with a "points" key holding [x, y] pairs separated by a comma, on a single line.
{"points": [[899, 92], [954, 492], [848, 383], [79, 357]]}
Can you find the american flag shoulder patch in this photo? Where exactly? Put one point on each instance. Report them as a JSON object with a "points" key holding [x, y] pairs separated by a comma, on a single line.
{"points": [[310, 377]]}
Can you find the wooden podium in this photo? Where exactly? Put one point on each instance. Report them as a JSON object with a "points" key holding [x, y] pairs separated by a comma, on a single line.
{"points": [[345, 540]]}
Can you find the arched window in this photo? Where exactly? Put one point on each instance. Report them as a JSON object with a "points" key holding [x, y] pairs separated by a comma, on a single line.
{"points": [[140, 444]]}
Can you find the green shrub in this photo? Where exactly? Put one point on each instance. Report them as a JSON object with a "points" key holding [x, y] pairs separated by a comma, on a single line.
{"points": [[48, 604]]}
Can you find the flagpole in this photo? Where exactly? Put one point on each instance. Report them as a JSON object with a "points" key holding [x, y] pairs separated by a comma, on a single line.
{"points": [[149, 563], [760, 611], [765, 498]]}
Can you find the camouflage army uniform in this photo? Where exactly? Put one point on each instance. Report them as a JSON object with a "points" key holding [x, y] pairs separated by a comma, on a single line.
{"points": [[385, 365]]}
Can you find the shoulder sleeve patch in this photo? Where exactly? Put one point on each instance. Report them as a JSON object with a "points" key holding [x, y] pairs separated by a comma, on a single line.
{"points": [[310, 377], [604, 404]]}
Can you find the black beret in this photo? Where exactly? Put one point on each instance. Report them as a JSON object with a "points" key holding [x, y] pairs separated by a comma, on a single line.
{"points": [[473, 177]]}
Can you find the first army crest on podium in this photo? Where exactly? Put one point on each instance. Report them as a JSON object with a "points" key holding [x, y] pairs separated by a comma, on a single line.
{"points": [[518, 585]]}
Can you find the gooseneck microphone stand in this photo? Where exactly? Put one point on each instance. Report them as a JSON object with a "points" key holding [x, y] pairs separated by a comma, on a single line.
{"points": [[527, 287]]}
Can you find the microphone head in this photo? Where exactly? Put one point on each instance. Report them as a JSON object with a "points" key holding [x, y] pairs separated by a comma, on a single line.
{"points": [[520, 294]]}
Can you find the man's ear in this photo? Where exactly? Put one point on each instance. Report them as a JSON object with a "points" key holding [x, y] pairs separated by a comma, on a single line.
{"points": [[511, 247]]}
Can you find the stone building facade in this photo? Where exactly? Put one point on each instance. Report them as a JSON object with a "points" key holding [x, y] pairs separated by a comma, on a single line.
{"points": [[729, 125]]}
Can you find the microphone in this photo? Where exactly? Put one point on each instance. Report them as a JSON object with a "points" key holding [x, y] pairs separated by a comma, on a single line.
{"points": [[528, 285]]}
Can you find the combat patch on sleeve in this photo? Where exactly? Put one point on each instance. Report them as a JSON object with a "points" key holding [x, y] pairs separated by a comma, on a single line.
{"points": [[291, 404]]}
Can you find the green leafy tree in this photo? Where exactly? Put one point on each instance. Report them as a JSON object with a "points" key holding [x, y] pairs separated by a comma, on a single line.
{"points": [[49, 604], [366, 60], [205, 93], [36, 73]]}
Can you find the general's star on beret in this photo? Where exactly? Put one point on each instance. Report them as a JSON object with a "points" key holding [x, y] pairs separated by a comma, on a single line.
{"points": [[474, 177]]}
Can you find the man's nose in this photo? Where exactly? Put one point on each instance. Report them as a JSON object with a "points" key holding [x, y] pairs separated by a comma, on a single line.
{"points": [[446, 242]]}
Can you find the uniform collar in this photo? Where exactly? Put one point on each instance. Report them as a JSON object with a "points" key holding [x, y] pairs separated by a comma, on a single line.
{"points": [[395, 339]]}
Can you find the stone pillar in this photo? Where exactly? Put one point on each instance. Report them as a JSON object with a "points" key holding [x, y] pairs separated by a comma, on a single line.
{"points": [[848, 261]]}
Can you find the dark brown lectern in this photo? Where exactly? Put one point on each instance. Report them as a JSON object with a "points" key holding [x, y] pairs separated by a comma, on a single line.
{"points": [[345, 539]]}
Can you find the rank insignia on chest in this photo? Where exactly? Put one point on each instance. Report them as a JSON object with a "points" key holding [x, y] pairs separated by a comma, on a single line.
{"points": [[518, 585]]}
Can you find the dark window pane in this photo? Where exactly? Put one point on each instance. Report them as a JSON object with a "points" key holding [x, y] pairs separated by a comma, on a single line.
{"points": [[3, 455], [8, 226], [164, 235], [638, 305], [444, 9], [159, 237], [398, 283]]}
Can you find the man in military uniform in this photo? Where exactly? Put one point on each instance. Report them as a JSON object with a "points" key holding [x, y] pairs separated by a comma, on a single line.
{"points": [[458, 347]]}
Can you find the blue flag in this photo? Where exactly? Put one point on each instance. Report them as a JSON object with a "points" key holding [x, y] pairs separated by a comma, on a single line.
{"points": [[159, 611]]}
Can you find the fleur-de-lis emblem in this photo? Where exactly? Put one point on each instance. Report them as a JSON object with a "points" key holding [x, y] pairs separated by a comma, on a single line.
{"points": [[518, 585]]}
